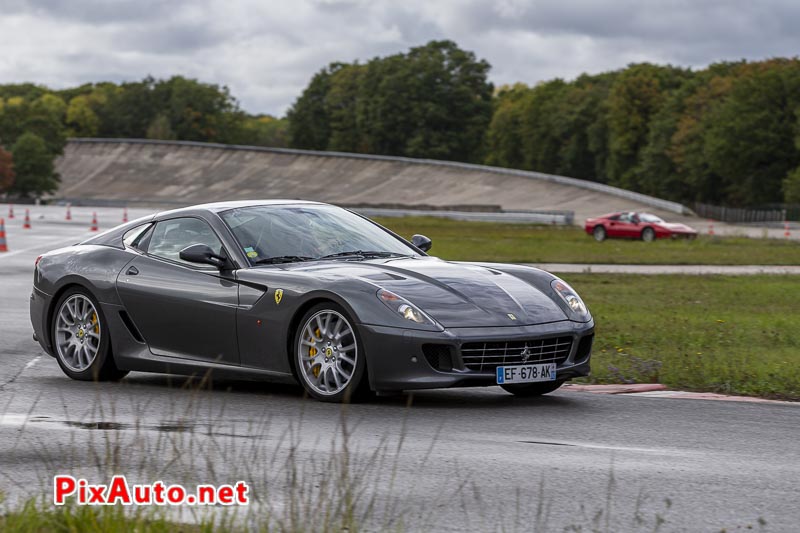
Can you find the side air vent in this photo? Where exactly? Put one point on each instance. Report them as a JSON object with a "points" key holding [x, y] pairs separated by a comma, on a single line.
{"points": [[439, 356], [126, 319], [584, 348]]}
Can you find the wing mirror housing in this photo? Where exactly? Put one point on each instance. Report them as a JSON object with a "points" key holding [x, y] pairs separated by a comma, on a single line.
{"points": [[422, 242], [204, 255]]}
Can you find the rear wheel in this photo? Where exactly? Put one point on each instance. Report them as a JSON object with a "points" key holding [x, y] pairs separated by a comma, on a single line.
{"points": [[648, 235], [81, 339], [599, 233], [328, 356], [532, 389]]}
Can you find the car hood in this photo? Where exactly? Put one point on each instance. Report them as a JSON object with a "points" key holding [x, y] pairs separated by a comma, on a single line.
{"points": [[454, 294]]}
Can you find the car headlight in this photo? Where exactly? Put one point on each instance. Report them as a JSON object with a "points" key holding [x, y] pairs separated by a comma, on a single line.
{"points": [[404, 308], [571, 298]]}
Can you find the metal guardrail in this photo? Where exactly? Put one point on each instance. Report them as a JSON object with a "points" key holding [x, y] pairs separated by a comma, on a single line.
{"points": [[557, 218], [651, 201], [736, 215]]}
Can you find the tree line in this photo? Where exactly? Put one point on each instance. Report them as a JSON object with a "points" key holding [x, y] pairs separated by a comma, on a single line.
{"points": [[36, 121], [728, 134]]}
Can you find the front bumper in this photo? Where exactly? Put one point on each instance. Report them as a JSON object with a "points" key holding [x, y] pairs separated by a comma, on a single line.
{"points": [[396, 359]]}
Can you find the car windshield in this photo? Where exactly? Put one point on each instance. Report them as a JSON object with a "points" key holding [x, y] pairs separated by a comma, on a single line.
{"points": [[646, 217], [290, 233]]}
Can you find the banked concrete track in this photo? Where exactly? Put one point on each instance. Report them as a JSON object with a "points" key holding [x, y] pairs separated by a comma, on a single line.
{"points": [[172, 172]]}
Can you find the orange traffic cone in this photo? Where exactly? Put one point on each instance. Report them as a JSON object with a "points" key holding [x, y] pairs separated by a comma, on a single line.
{"points": [[786, 232], [711, 227], [69, 212], [3, 243], [125, 215], [27, 223], [94, 222], [10, 210]]}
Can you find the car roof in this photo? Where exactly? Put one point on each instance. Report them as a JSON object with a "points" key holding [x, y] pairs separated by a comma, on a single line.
{"points": [[216, 207]]}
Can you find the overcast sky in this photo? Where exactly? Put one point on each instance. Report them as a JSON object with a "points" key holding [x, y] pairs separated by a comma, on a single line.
{"points": [[266, 50]]}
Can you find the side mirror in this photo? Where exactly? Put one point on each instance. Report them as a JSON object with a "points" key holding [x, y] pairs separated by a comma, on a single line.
{"points": [[421, 242], [202, 254]]}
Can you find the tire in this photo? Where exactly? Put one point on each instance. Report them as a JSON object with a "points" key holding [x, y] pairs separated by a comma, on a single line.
{"points": [[84, 354], [599, 233], [648, 235], [328, 355], [527, 390]]}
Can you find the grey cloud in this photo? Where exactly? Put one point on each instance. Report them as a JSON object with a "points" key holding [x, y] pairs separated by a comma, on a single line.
{"points": [[266, 51]]}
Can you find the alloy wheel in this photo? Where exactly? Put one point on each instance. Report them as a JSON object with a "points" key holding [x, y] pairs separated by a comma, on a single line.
{"points": [[77, 333], [327, 352]]}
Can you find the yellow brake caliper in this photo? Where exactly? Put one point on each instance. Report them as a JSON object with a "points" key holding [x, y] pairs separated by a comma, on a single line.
{"points": [[312, 352], [96, 325]]}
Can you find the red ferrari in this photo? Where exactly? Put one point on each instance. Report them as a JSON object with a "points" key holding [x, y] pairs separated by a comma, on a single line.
{"points": [[632, 225]]}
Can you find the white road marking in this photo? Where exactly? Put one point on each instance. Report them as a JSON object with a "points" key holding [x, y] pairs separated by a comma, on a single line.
{"points": [[32, 362]]}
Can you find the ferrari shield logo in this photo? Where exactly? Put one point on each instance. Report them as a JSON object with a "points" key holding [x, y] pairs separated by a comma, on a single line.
{"points": [[512, 316], [278, 296]]}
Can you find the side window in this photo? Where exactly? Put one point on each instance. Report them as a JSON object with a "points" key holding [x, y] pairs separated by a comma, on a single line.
{"points": [[171, 236], [134, 237], [615, 217]]}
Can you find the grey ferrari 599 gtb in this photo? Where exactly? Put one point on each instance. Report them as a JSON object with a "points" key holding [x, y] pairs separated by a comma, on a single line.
{"points": [[291, 290]]}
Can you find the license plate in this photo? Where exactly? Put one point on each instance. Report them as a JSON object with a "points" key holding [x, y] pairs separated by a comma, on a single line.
{"points": [[526, 373]]}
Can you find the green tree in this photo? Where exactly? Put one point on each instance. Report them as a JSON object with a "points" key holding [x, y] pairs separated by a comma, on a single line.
{"points": [[309, 126], [341, 104], [636, 95], [50, 104], [265, 130], [433, 101], [160, 128], [791, 187], [81, 119], [33, 164], [749, 141], [504, 135], [7, 173]]}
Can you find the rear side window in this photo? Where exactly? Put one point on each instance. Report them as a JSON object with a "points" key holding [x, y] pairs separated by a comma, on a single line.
{"points": [[171, 236], [134, 236]]}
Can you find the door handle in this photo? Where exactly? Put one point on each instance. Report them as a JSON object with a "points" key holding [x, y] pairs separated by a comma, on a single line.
{"points": [[132, 271]]}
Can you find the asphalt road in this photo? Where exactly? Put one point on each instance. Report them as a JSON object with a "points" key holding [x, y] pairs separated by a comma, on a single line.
{"points": [[478, 460]]}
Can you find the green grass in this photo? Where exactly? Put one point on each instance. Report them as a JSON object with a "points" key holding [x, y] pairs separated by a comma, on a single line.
{"points": [[526, 243], [34, 517], [727, 334]]}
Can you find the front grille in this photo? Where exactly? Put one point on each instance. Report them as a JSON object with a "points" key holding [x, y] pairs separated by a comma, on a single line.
{"points": [[487, 356]]}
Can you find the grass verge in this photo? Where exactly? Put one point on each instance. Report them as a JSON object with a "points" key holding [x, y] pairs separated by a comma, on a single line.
{"points": [[527, 243], [33, 517], [727, 334]]}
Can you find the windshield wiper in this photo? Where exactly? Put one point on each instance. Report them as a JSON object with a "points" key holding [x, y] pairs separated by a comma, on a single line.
{"points": [[362, 254], [282, 259]]}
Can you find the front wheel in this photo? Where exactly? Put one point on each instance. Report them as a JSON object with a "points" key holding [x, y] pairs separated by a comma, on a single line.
{"points": [[648, 235], [532, 389], [81, 338], [329, 358], [599, 233]]}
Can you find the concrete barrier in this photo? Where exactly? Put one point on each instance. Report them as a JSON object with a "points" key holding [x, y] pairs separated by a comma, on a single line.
{"points": [[134, 171]]}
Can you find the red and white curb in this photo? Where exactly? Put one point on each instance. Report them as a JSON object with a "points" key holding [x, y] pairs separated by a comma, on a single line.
{"points": [[657, 390]]}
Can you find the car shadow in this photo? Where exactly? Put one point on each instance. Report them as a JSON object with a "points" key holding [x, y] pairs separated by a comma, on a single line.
{"points": [[457, 398]]}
